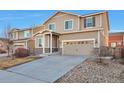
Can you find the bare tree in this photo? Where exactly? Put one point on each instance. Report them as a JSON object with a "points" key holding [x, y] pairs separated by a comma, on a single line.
{"points": [[101, 52], [7, 36]]}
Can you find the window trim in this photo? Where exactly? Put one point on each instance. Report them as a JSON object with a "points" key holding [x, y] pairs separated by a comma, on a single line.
{"points": [[72, 24], [52, 24], [86, 21], [113, 44], [25, 34], [36, 42], [14, 35]]}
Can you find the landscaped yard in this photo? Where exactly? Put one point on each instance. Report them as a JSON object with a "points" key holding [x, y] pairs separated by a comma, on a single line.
{"points": [[8, 62], [91, 71]]}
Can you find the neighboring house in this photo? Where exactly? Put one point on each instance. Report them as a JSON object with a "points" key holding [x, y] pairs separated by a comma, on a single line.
{"points": [[116, 39], [3, 45], [20, 37], [65, 33]]}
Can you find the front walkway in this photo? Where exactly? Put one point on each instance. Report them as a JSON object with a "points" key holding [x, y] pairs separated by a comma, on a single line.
{"points": [[47, 69]]}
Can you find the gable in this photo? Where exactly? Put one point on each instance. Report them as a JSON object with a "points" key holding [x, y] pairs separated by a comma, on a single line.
{"points": [[57, 14]]}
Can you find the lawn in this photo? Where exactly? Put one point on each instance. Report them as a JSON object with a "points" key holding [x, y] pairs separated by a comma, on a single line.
{"points": [[8, 62]]}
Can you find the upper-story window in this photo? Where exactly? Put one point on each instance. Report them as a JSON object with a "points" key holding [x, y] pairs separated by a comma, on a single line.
{"points": [[68, 25], [89, 22], [52, 27], [13, 35], [26, 34]]}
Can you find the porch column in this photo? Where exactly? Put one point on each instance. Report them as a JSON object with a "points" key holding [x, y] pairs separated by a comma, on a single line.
{"points": [[50, 42], [26, 44], [43, 43], [57, 42]]}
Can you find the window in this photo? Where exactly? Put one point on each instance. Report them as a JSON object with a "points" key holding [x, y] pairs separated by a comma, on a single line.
{"points": [[52, 27], [113, 44], [14, 35], [26, 34], [86, 42], [82, 42], [68, 25], [89, 22], [119, 43], [39, 42]]}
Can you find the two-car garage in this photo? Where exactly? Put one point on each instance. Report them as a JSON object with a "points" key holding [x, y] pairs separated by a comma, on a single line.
{"points": [[78, 47]]}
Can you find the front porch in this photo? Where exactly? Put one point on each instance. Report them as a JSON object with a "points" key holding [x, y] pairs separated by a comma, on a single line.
{"points": [[46, 42]]}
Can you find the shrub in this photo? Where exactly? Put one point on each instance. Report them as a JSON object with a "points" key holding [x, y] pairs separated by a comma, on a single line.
{"points": [[21, 52]]}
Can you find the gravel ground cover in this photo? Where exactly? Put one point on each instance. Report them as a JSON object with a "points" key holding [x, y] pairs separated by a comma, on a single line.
{"points": [[92, 71]]}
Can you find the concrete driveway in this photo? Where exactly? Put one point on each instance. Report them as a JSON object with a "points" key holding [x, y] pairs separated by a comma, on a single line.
{"points": [[47, 69], [3, 55]]}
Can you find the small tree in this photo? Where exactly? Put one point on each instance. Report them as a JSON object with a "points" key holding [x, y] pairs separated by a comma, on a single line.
{"points": [[6, 35], [9, 46], [98, 54], [9, 42]]}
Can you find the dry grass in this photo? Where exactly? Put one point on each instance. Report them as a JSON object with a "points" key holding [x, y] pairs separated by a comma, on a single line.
{"points": [[8, 62]]}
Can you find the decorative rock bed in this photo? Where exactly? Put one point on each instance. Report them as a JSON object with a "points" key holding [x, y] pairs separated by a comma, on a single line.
{"points": [[93, 72]]}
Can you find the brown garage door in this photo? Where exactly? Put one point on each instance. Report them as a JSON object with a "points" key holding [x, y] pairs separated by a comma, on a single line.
{"points": [[78, 47]]}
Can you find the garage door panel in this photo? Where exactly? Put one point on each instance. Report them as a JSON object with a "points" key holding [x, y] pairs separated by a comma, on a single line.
{"points": [[77, 48]]}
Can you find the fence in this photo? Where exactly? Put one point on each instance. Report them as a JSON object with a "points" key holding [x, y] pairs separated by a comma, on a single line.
{"points": [[117, 52]]}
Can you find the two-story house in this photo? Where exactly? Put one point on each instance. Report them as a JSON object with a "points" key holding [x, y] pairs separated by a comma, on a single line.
{"points": [[66, 33], [20, 37]]}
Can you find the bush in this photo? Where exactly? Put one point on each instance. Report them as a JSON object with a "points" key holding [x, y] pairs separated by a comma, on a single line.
{"points": [[21, 52], [2, 51]]}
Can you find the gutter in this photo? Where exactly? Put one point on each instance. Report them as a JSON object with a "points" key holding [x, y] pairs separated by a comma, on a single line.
{"points": [[82, 31]]}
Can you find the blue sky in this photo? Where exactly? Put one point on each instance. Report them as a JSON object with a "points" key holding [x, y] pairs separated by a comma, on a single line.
{"points": [[27, 18]]}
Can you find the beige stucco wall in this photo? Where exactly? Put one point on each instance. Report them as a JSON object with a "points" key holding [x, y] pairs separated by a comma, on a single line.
{"points": [[47, 41], [106, 27], [78, 22], [37, 29], [101, 21], [54, 42], [20, 34], [59, 21], [103, 39], [31, 44]]}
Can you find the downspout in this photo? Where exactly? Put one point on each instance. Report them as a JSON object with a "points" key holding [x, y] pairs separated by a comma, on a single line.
{"points": [[100, 21], [51, 43], [43, 43], [98, 45], [78, 23]]}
